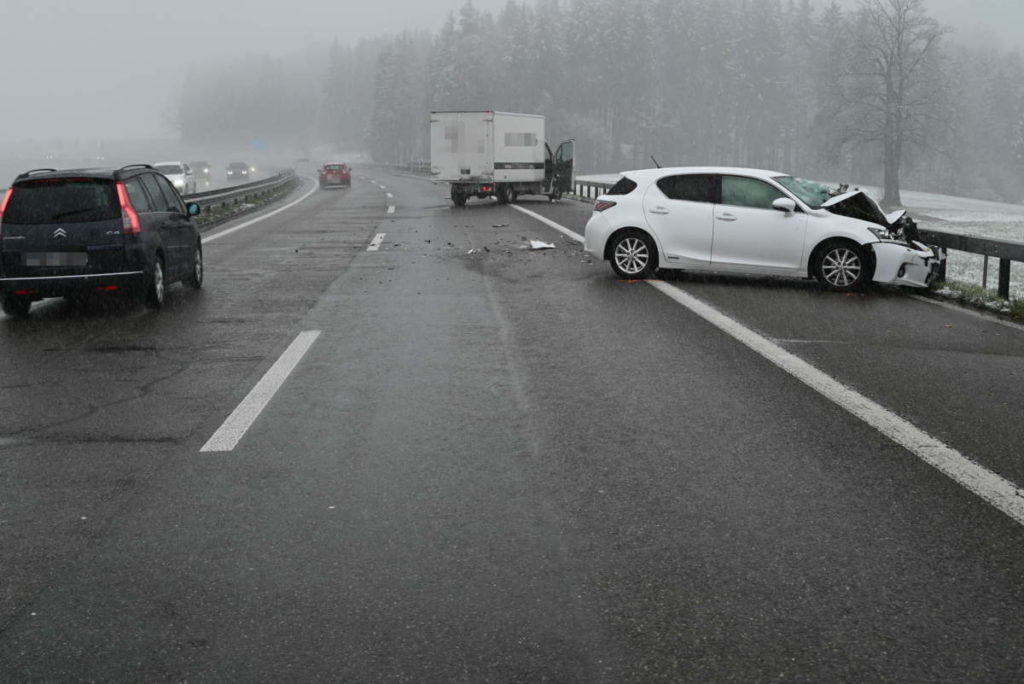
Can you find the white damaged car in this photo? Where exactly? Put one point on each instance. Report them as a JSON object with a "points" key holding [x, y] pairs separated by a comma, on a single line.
{"points": [[754, 222]]}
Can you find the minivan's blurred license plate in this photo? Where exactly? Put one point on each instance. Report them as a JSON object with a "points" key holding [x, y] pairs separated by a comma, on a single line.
{"points": [[56, 258]]}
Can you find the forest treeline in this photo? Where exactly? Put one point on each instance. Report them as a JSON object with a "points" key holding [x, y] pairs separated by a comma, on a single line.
{"points": [[782, 84]]}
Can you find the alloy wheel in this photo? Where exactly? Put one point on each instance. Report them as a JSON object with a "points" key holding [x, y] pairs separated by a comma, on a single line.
{"points": [[841, 267], [632, 255]]}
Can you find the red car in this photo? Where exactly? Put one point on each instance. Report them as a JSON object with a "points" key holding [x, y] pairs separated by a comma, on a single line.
{"points": [[335, 174]]}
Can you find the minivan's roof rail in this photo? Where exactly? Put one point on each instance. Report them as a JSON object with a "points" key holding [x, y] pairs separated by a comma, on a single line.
{"points": [[29, 173], [135, 166]]}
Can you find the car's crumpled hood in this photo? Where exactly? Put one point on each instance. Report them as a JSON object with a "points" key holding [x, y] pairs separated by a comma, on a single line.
{"points": [[858, 205]]}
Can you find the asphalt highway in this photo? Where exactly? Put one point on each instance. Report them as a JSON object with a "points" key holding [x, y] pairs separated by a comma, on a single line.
{"points": [[495, 464]]}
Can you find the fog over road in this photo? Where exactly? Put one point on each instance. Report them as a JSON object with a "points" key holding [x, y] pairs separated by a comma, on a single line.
{"points": [[497, 464]]}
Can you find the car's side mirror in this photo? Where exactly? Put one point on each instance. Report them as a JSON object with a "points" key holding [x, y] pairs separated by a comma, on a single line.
{"points": [[784, 204], [194, 209]]}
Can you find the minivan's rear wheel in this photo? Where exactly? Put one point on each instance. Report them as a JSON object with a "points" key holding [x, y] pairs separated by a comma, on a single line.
{"points": [[841, 266], [155, 289], [13, 305], [633, 255], [195, 278]]}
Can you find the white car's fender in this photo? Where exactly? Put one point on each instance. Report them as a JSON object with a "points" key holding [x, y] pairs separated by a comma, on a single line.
{"points": [[824, 226]]}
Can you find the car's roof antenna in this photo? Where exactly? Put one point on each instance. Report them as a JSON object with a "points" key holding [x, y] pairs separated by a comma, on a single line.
{"points": [[655, 161]]}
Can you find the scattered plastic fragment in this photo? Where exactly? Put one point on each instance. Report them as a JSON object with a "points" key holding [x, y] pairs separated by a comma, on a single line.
{"points": [[538, 245]]}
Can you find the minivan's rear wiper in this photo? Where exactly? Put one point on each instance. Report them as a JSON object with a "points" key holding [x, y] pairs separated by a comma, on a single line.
{"points": [[71, 213]]}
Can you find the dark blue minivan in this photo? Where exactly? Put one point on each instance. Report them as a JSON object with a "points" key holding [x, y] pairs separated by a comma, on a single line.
{"points": [[78, 232]]}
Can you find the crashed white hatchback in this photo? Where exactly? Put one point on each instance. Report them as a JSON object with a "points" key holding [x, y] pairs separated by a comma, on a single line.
{"points": [[749, 221]]}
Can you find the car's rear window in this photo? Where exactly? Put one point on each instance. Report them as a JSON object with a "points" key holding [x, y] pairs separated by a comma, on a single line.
{"points": [[334, 167], [623, 187], [62, 201], [694, 187], [169, 168]]}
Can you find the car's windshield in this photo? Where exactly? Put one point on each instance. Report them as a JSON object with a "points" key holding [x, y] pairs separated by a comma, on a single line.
{"points": [[811, 193]]}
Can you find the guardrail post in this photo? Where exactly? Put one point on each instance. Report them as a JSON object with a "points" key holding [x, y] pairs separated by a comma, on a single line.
{"points": [[1004, 278]]}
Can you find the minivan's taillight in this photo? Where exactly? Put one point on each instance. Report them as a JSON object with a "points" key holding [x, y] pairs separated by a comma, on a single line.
{"points": [[129, 218], [603, 204], [3, 206]]}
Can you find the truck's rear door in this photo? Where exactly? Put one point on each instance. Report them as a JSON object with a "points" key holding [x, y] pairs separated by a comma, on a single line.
{"points": [[462, 146]]}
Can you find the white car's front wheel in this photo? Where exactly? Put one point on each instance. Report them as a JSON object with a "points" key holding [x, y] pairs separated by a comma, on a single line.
{"points": [[842, 266], [633, 255]]}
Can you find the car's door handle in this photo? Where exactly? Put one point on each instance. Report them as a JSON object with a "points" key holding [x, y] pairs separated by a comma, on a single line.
{"points": [[725, 217], [659, 210]]}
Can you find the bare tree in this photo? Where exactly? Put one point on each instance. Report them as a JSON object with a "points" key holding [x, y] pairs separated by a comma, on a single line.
{"points": [[892, 86]]}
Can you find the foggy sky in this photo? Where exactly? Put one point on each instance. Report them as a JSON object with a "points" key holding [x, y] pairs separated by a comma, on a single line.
{"points": [[97, 69]]}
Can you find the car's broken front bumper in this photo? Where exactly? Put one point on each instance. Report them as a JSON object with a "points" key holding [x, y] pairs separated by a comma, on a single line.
{"points": [[905, 263]]}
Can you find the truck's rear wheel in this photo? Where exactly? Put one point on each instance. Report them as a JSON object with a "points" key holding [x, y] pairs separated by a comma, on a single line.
{"points": [[458, 198]]}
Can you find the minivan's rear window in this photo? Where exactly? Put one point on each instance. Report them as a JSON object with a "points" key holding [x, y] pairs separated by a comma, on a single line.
{"points": [[71, 200]]}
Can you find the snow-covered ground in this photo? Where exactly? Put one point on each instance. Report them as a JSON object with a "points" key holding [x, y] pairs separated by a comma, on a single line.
{"points": [[954, 214]]}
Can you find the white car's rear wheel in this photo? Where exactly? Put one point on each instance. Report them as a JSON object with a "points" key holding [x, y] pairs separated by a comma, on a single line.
{"points": [[633, 255]]}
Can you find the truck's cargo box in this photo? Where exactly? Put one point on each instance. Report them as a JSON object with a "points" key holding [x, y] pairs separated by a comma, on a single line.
{"points": [[489, 147]]}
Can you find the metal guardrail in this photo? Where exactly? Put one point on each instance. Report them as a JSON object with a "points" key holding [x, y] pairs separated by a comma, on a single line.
{"points": [[1007, 251], [590, 189], [230, 202]]}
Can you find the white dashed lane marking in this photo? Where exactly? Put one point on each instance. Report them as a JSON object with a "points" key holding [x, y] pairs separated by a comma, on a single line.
{"points": [[377, 241], [238, 423]]}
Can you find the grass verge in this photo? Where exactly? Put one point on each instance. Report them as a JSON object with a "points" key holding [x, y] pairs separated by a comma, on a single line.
{"points": [[976, 296]]}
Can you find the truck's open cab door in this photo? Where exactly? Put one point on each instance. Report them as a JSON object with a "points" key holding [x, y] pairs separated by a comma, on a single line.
{"points": [[560, 169]]}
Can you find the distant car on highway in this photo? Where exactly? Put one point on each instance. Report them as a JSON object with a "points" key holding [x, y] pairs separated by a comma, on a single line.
{"points": [[180, 174], [76, 233], [755, 222], [335, 174], [239, 171], [202, 171]]}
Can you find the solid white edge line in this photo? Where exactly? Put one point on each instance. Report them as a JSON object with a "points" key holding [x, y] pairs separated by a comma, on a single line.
{"points": [[229, 231], [548, 222], [226, 438], [996, 490], [377, 241]]}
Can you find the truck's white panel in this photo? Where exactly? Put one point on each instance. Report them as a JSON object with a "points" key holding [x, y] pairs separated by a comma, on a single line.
{"points": [[518, 148], [487, 147], [461, 146]]}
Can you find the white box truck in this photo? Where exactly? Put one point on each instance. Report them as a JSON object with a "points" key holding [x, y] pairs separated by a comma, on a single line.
{"points": [[499, 154]]}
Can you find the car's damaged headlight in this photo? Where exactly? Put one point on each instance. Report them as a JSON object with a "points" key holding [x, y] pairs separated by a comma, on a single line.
{"points": [[880, 233]]}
